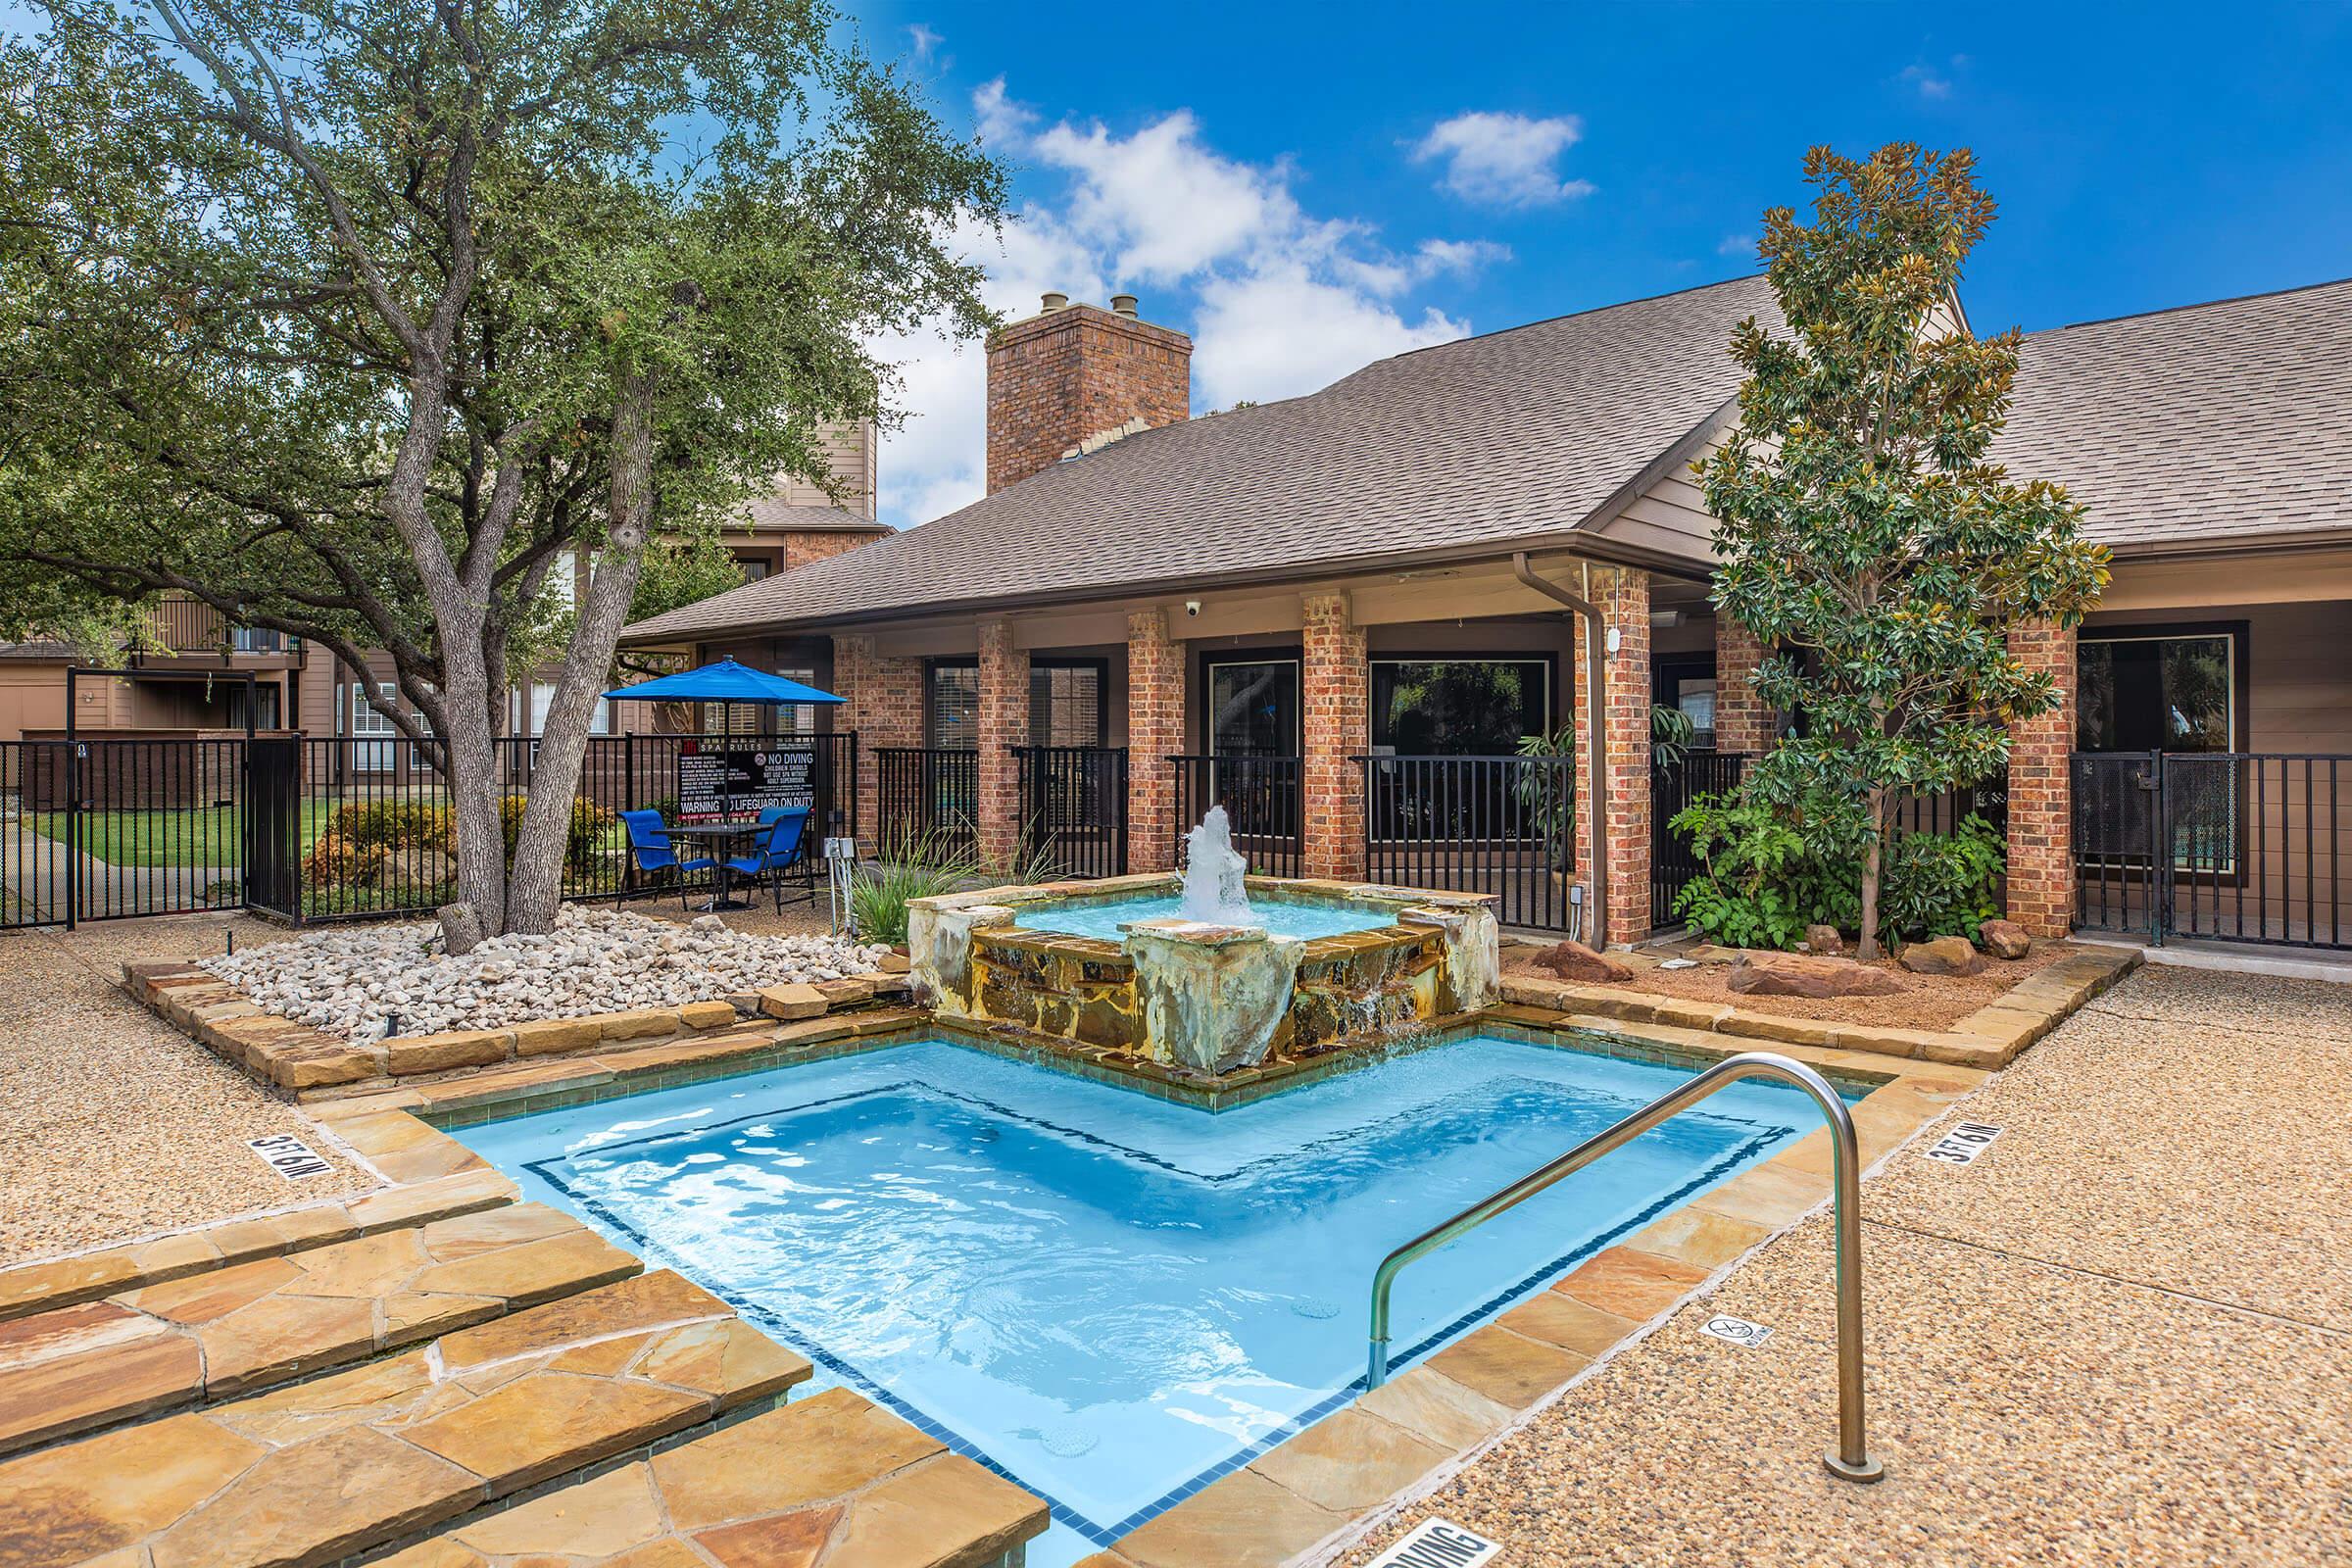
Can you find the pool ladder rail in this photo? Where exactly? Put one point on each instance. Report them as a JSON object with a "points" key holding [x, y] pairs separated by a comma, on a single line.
{"points": [[1850, 1459]]}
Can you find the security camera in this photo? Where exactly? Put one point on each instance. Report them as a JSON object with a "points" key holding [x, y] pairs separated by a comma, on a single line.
{"points": [[1192, 607]]}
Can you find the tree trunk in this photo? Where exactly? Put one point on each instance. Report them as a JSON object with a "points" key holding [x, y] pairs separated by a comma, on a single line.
{"points": [[1869, 948], [535, 890]]}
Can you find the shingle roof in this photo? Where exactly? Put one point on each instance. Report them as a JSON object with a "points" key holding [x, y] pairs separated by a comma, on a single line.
{"points": [[2201, 424], [1478, 442]]}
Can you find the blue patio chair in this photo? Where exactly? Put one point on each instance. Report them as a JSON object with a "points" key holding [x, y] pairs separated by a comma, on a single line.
{"points": [[650, 847], [785, 847]]}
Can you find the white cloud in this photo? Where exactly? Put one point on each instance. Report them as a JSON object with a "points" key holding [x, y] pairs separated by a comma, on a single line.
{"points": [[1282, 302], [924, 41], [1505, 160], [1736, 245], [1929, 82]]}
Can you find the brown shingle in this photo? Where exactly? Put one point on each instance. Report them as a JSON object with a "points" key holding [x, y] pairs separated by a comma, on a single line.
{"points": [[1475, 443], [2195, 425]]}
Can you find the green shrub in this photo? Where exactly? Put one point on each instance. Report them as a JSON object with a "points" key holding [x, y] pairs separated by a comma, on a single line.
{"points": [[583, 835], [1768, 874], [1943, 884], [922, 866], [395, 825]]}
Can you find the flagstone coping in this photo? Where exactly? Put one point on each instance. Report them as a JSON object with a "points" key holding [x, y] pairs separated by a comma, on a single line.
{"points": [[1435, 1416], [831, 1481], [363, 1458], [246, 1326], [301, 1060], [51, 1283], [1988, 1038]]}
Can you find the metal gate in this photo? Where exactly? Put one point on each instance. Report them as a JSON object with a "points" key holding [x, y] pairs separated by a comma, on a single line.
{"points": [[1074, 809], [1673, 863], [2227, 846]]}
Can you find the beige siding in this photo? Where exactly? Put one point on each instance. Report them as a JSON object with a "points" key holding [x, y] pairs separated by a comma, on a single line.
{"points": [[851, 452]]}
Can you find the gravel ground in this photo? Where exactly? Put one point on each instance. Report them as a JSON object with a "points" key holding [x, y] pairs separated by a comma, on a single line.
{"points": [[114, 1124], [1926, 1002], [2123, 1336]]}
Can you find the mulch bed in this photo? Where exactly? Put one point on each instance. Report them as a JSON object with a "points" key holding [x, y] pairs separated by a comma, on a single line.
{"points": [[1926, 1002]]}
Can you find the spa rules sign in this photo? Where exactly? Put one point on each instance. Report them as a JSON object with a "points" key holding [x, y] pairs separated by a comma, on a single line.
{"points": [[742, 781]]}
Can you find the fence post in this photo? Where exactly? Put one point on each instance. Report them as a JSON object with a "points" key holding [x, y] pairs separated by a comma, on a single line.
{"points": [[2160, 854]]}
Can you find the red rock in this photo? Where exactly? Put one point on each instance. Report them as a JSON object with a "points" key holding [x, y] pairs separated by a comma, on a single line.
{"points": [[2004, 938], [1824, 942], [1573, 960], [1942, 956], [1788, 974]]}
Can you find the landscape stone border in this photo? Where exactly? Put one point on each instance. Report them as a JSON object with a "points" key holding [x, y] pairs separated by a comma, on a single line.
{"points": [[310, 1063], [1988, 1038]]}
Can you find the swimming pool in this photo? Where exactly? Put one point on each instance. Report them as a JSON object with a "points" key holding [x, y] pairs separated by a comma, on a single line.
{"points": [[1111, 1299], [1306, 921]]}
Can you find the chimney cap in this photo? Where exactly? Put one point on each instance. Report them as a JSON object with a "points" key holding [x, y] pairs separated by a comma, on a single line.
{"points": [[1123, 305], [1055, 300]]}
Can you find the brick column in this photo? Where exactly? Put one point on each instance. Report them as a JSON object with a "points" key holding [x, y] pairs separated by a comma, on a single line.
{"points": [[1742, 723], [1004, 725], [2041, 851], [883, 702], [1623, 599], [1337, 701], [1155, 733]]}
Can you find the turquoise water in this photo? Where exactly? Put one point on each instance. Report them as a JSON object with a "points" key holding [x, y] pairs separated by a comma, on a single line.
{"points": [[1106, 1296], [1306, 921]]}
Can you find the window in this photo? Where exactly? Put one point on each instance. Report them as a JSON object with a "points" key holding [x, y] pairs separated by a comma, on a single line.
{"points": [[2159, 689], [1459, 706], [1254, 708], [1065, 704]]}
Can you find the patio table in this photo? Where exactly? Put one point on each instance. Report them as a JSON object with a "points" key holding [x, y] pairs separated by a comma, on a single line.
{"points": [[721, 836]]}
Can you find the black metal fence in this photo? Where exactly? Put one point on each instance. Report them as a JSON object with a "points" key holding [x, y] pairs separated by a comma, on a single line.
{"points": [[1504, 825], [2230, 846], [332, 828], [1074, 809], [1673, 863], [927, 801], [1262, 801]]}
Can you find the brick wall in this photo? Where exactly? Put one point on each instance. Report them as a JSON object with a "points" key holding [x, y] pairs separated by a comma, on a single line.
{"points": [[1155, 700], [1058, 377], [1004, 725], [2041, 856], [1742, 723], [883, 702], [803, 546], [1337, 726], [1623, 599]]}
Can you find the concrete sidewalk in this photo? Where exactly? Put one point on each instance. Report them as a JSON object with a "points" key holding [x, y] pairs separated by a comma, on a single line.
{"points": [[2123, 1336]]}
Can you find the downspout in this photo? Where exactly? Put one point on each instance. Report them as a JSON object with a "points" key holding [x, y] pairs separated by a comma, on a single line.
{"points": [[1597, 783]]}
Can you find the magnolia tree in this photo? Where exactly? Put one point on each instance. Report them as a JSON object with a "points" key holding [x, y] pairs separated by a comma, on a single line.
{"points": [[407, 325], [1864, 533]]}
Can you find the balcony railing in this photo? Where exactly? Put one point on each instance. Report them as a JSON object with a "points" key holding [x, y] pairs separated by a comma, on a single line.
{"points": [[191, 626]]}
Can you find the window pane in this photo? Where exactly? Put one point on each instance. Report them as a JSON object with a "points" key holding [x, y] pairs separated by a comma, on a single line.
{"points": [[1457, 707], [1065, 704], [955, 706], [2149, 694], [1253, 710]]}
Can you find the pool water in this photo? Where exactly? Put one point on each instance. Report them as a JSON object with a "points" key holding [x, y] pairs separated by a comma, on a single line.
{"points": [[1306, 921], [1108, 1297]]}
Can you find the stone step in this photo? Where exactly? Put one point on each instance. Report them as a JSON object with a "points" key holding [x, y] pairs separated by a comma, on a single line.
{"points": [[832, 1481], [232, 1329], [37, 1287], [369, 1456]]}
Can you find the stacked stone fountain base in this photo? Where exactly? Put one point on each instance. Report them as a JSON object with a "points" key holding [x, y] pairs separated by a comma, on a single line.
{"points": [[1199, 998]]}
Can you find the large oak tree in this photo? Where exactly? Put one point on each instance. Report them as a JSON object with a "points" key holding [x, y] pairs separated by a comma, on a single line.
{"points": [[372, 320]]}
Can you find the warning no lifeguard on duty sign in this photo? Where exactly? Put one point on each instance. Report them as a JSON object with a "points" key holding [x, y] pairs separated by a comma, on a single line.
{"points": [[1439, 1543]]}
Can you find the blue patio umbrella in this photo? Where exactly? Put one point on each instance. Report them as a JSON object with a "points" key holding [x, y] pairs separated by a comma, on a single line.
{"points": [[727, 682]]}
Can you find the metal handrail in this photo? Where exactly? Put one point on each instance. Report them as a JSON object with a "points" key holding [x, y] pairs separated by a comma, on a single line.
{"points": [[1850, 1459]]}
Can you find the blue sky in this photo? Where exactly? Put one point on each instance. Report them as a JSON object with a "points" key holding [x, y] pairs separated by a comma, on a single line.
{"points": [[1308, 189]]}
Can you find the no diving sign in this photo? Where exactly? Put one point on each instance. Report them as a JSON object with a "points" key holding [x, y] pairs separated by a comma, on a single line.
{"points": [[288, 1155], [1438, 1544]]}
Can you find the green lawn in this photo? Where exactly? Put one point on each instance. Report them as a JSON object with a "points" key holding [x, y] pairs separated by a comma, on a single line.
{"points": [[196, 835]]}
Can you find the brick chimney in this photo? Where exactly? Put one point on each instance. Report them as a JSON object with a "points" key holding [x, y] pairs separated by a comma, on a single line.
{"points": [[1073, 372]]}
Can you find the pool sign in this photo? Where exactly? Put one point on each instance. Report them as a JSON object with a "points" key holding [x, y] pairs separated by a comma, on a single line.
{"points": [[288, 1155], [1962, 1144], [1738, 1330], [1439, 1543]]}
